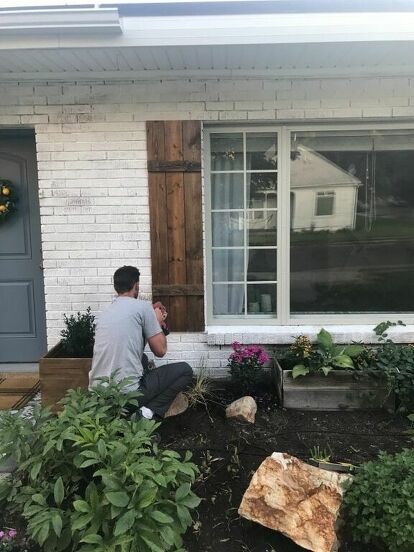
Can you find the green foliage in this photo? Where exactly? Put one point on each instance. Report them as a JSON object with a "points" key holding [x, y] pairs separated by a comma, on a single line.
{"points": [[79, 335], [379, 505], [320, 454], [395, 362], [322, 357], [91, 480]]}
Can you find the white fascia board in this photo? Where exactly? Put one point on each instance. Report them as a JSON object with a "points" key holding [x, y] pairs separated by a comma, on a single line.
{"points": [[59, 21], [232, 29]]}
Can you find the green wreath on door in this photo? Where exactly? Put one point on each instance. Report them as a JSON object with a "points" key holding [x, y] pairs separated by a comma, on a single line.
{"points": [[8, 199]]}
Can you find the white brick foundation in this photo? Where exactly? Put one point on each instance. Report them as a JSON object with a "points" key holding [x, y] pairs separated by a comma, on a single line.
{"points": [[92, 168]]}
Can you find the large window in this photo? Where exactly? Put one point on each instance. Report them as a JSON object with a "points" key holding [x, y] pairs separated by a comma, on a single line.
{"points": [[344, 245]]}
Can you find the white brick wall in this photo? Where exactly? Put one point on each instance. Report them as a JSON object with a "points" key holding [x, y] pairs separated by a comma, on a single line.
{"points": [[92, 167]]}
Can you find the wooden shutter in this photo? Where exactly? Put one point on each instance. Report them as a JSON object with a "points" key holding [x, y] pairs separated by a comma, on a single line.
{"points": [[174, 167]]}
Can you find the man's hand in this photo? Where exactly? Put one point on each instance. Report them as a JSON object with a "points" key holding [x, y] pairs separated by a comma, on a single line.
{"points": [[161, 315]]}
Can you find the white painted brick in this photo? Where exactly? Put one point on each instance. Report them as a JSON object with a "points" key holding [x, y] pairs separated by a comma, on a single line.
{"points": [[232, 115], [219, 106], [261, 115], [377, 112], [403, 111], [290, 114], [347, 113], [91, 145]]}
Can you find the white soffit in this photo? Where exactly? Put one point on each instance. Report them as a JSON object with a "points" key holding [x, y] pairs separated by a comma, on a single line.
{"points": [[278, 60]]}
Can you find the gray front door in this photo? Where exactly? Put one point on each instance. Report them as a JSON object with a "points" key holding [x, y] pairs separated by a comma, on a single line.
{"points": [[22, 305]]}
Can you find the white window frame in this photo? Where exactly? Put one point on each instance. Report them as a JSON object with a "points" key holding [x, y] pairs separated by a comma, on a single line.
{"points": [[283, 316]]}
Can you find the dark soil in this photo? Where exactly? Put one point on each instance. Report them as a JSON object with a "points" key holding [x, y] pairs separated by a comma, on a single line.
{"points": [[229, 452]]}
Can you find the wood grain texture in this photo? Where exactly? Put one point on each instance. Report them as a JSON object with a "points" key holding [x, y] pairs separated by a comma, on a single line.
{"points": [[158, 230], [174, 165]]}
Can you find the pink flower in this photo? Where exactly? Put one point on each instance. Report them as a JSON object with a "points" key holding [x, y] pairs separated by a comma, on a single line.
{"points": [[2, 534], [12, 533], [247, 354]]}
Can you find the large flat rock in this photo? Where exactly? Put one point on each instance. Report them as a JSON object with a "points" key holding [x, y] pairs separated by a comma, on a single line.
{"points": [[299, 500]]}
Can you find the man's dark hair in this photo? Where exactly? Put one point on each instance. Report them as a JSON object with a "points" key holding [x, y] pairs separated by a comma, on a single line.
{"points": [[125, 278]]}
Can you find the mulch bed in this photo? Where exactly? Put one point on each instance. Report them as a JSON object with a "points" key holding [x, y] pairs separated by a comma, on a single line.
{"points": [[229, 453]]}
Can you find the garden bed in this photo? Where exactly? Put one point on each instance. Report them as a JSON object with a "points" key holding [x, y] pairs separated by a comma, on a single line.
{"points": [[229, 453]]}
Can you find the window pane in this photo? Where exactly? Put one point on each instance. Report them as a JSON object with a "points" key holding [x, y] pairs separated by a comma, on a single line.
{"points": [[228, 299], [261, 151], [262, 227], [360, 259], [261, 264], [226, 152], [228, 265], [261, 299], [325, 204], [261, 190], [228, 229], [227, 191]]}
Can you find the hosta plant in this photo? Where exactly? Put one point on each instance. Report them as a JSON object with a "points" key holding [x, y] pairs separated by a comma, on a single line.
{"points": [[322, 357], [91, 480]]}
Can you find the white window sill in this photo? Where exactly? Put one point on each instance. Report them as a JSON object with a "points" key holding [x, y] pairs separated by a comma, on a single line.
{"points": [[280, 335]]}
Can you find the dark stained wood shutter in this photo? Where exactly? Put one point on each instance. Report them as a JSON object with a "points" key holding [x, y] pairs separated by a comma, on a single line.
{"points": [[174, 172]]}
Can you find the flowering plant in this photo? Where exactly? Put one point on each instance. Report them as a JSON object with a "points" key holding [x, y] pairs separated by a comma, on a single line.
{"points": [[7, 537], [246, 365]]}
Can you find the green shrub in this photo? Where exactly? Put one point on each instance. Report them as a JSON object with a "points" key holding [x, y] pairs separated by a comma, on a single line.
{"points": [[396, 362], [78, 335], [379, 505], [91, 480]]}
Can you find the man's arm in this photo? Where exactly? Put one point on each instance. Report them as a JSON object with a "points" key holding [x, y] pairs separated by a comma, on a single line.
{"points": [[158, 344]]}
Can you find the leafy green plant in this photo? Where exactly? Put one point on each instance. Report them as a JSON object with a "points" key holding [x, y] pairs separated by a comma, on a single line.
{"points": [[246, 365], [395, 362], [91, 480], [78, 335], [379, 505], [324, 356], [320, 454]]}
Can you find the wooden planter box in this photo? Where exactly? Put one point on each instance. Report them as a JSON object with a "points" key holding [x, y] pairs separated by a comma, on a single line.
{"points": [[337, 391], [58, 375]]}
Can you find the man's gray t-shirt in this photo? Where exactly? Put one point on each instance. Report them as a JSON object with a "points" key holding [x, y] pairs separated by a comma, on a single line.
{"points": [[121, 331]]}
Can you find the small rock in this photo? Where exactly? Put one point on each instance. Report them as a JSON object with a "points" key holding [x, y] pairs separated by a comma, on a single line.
{"points": [[178, 406], [243, 409], [299, 500]]}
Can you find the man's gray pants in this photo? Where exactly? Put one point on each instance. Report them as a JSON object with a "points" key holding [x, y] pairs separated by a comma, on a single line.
{"points": [[161, 385]]}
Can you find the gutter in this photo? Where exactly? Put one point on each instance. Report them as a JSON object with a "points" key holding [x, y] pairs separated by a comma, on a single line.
{"points": [[29, 22]]}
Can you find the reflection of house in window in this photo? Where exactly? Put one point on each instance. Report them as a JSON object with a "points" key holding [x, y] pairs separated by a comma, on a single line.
{"points": [[324, 204], [313, 176]]}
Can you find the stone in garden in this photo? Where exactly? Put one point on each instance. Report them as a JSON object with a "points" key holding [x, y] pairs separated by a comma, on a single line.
{"points": [[299, 500], [178, 406], [243, 409]]}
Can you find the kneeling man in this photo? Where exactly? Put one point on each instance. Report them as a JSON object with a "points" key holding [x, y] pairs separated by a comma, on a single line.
{"points": [[121, 333]]}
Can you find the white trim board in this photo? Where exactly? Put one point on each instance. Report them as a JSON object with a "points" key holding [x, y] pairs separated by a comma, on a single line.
{"points": [[284, 335]]}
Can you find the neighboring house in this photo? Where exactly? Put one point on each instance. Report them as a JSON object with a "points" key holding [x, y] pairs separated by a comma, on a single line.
{"points": [[254, 159], [323, 196]]}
